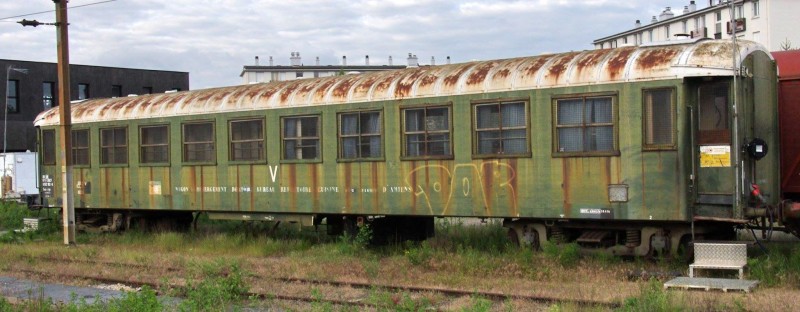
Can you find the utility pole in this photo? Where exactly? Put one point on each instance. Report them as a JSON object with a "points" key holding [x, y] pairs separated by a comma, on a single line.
{"points": [[65, 123]]}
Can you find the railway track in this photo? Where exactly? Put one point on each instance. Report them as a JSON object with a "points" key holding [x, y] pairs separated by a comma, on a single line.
{"points": [[449, 293]]}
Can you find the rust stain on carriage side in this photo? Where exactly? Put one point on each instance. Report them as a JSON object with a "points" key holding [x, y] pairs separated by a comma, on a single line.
{"points": [[537, 64], [292, 187], [503, 73], [616, 65], [488, 178], [314, 187], [340, 91], [512, 182], [322, 90], [285, 93], [348, 184], [361, 88], [565, 174], [375, 186], [382, 85]]}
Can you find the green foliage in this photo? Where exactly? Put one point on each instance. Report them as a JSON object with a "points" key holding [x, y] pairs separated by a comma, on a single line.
{"points": [[567, 255], [452, 234], [11, 215], [418, 253], [219, 287], [479, 304], [652, 297], [779, 267]]}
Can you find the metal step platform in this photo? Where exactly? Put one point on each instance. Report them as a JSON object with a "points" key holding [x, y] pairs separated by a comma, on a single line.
{"points": [[724, 284]]}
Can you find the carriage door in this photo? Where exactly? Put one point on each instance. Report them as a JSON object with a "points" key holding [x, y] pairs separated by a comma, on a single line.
{"points": [[715, 176]]}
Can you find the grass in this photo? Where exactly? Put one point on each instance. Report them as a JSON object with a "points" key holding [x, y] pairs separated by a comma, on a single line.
{"points": [[465, 256]]}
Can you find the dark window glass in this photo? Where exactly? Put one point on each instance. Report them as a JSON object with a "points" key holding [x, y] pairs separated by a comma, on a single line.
{"points": [[659, 123], [49, 147], [714, 118], [198, 142], [426, 131], [12, 99], [585, 125], [301, 137], [147, 90], [154, 144], [49, 95], [80, 147], [114, 146], [83, 91], [501, 128], [116, 91], [247, 140], [360, 135]]}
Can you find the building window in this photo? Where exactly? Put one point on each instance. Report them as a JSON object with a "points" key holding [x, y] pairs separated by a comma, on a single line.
{"points": [[625, 40], [360, 135], [198, 142], [585, 126], [80, 147], [756, 9], [650, 35], [147, 90], [685, 27], [739, 11], [116, 91], [114, 146], [659, 119], [426, 132], [12, 100], [247, 140], [298, 75], [666, 32], [49, 147], [49, 95], [83, 91], [501, 129], [300, 137], [154, 144]]}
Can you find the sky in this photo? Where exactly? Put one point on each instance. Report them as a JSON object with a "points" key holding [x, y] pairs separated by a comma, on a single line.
{"points": [[214, 39]]}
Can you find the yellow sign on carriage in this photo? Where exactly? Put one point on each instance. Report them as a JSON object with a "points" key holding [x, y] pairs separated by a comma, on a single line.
{"points": [[715, 156]]}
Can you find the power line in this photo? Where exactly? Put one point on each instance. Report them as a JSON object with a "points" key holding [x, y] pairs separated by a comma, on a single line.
{"points": [[50, 11]]}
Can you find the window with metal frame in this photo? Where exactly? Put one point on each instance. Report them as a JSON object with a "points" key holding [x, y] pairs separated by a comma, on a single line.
{"points": [[198, 142], [360, 135], [49, 147], [585, 125], [116, 91], [301, 137], [501, 128], [426, 132], [154, 144], [114, 146], [247, 140], [659, 119], [12, 98], [48, 95], [80, 147], [83, 91]]}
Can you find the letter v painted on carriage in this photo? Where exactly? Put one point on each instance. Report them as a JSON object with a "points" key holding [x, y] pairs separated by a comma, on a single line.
{"points": [[273, 172]]}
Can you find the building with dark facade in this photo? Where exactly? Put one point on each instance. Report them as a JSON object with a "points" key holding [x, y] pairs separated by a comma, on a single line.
{"points": [[32, 87]]}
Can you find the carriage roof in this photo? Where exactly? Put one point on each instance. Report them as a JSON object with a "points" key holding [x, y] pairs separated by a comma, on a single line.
{"points": [[592, 67]]}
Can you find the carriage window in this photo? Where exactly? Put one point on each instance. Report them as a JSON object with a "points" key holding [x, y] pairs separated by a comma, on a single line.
{"points": [[426, 132], [247, 140], [198, 142], [360, 135], [80, 147], [659, 119], [154, 144], [301, 137], [713, 114], [501, 129], [49, 147], [113, 146], [12, 95], [585, 126]]}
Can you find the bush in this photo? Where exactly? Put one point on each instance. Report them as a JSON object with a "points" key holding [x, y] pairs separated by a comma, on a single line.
{"points": [[11, 215], [567, 255]]}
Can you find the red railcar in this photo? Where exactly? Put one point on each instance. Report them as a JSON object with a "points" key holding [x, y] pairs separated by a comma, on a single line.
{"points": [[789, 117]]}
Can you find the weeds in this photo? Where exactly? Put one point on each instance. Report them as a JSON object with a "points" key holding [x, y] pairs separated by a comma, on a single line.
{"points": [[220, 286], [567, 255], [651, 298], [779, 267]]}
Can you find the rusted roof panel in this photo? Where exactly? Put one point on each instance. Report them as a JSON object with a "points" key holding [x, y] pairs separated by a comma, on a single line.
{"points": [[665, 61]]}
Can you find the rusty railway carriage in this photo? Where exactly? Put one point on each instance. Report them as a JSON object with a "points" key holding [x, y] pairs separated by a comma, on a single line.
{"points": [[623, 150]]}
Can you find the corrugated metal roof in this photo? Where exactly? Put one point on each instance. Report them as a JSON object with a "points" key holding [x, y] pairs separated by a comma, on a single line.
{"points": [[702, 58]]}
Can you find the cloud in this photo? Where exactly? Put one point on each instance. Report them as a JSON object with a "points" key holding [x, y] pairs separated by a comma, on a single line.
{"points": [[213, 39]]}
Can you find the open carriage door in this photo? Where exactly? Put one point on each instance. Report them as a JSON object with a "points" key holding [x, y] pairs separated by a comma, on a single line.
{"points": [[715, 176]]}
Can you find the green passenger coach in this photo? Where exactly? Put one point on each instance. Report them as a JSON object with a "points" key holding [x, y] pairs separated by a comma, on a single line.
{"points": [[624, 150]]}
